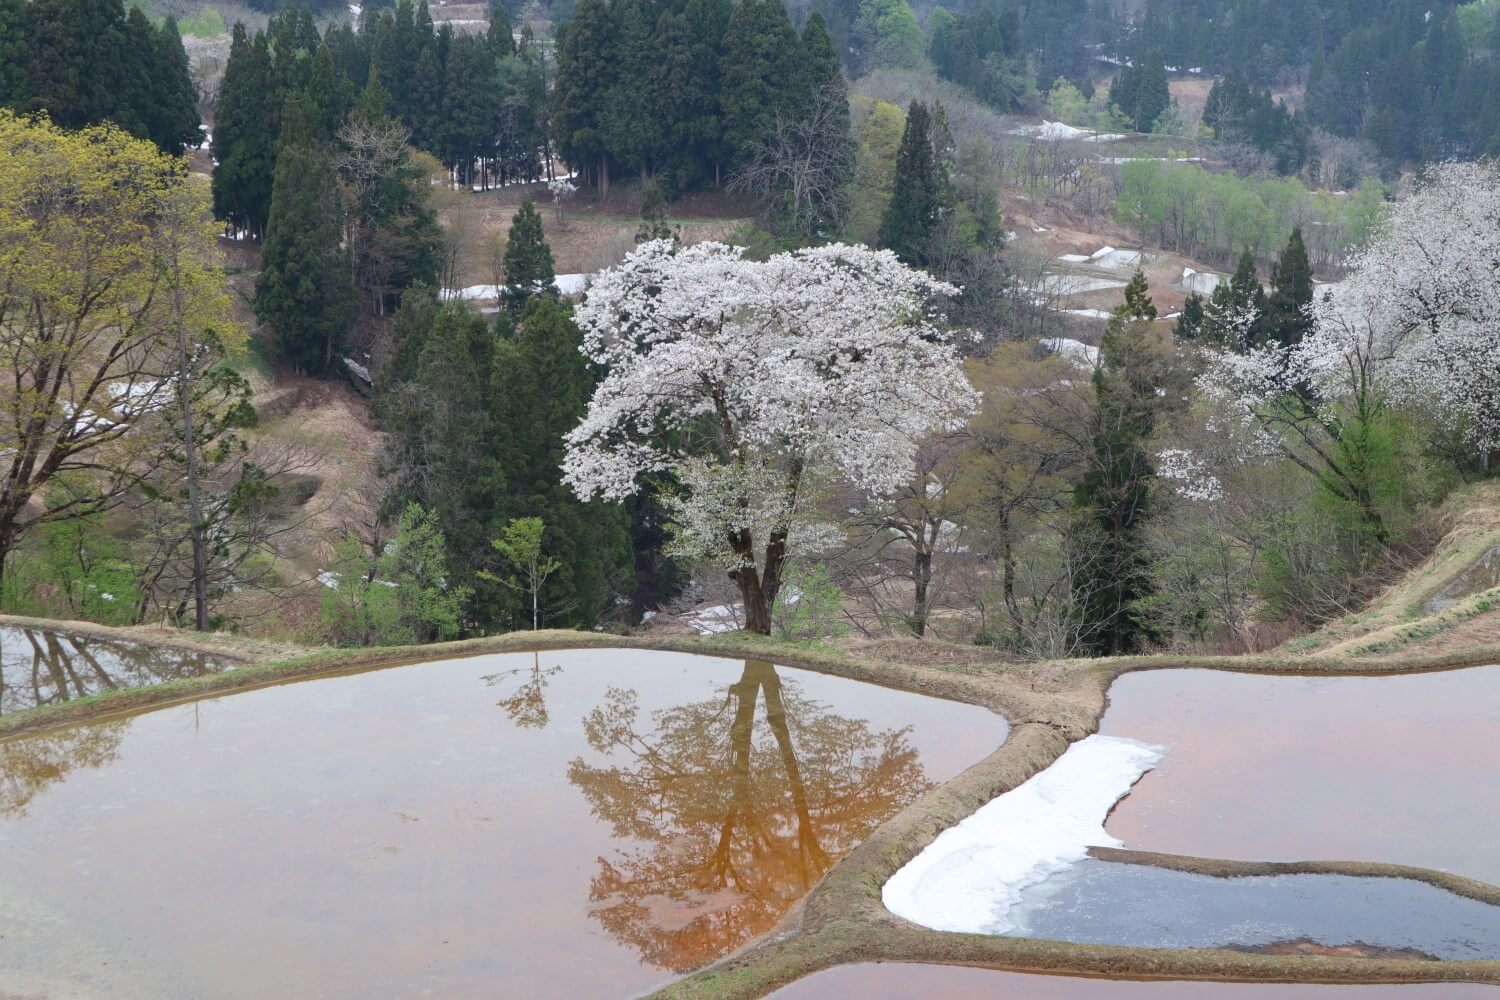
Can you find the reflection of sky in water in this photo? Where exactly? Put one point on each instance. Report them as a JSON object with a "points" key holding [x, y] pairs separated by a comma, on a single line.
{"points": [[899, 981], [478, 827], [43, 666], [1259, 768], [1098, 902]]}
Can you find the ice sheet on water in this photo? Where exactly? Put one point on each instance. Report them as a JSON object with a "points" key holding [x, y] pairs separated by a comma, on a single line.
{"points": [[971, 877]]}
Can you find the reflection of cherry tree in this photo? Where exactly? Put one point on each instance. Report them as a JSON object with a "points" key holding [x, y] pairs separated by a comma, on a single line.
{"points": [[28, 766], [527, 704], [735, 818]]}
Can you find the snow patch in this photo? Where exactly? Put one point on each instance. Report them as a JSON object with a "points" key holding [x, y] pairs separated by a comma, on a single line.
{"points": [[972, 876], [1074, 350], [566, 284], [1090, 313], [1202, 282]]}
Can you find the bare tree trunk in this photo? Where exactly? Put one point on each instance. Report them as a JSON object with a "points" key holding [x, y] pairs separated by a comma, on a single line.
{"points": [[189, 450]]}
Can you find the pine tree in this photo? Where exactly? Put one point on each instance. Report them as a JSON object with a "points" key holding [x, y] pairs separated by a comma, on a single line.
{"points": [[1286, 321], [528, 260], [305, 291], [1113, 499], [470, 96], [918, 196]]}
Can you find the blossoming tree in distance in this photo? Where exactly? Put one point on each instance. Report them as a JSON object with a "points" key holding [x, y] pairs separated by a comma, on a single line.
{"points": [[756, 386]]}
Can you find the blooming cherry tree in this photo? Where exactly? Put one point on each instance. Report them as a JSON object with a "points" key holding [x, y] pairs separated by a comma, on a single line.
{"points": [[756, 385], [1429, 287]]}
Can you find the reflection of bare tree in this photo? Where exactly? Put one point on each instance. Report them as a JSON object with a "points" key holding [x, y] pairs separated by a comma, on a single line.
{"points": [[527, 705], [42, 667], [735, 820], [27, 766]]}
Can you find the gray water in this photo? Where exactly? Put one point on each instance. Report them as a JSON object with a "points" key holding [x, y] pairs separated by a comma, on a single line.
{"points": [[1100, 902], [48, 666]]}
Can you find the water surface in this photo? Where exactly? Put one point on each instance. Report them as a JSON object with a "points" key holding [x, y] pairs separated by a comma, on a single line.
{"points": [[579, 824], [1264, 768], [900, 981], [1101, 902], [47, 666]]}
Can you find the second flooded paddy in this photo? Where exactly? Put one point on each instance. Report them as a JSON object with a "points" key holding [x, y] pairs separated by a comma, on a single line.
{"points": [[1397, 769], [584, 823]]}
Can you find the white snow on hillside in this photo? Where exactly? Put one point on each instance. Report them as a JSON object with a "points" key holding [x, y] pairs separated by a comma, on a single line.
{"points": [[1076, 350], [973, 874], [567, 284]]}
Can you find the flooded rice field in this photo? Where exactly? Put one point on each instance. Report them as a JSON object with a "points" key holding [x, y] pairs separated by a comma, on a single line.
{"points": [[1264, 768], [46, 666], [582, 824], [904, 982], [1394, 769], [1101, 902]]}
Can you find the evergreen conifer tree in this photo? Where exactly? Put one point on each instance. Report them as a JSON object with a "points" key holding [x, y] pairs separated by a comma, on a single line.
{"points": [[1113, 499], [760, 70], [174, 121], [541, 387], [1286, 320], [586, 73], [919, 192], [244, 138], [305, 291], [15, 54], [528, 260]]}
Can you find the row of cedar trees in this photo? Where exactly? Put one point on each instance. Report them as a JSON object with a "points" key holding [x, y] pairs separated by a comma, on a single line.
{"points": [[681, 90], [477, 102], [88, 61], [680, 95]]}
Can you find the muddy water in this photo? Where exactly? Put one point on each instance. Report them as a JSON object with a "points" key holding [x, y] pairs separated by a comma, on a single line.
{"points": [[1396, 769], [904, 982], [580, 824], [44, 666], [1099, 902]]}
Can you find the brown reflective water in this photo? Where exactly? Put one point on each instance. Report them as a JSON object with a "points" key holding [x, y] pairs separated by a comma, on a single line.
{"points": [[45, 666], [904, 982], [578, 824], [1397, 769]]}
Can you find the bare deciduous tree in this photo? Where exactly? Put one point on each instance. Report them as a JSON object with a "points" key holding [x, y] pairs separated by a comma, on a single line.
{"points": [[806, 162]]}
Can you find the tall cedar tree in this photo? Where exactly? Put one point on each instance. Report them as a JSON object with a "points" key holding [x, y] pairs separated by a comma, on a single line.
{"points": [[919, 193], [305, 291], [244, 137], [586, 74], [174, 118], [760, 70], [528, 260], [541, 387], [1287, 321], [1113, 499]]}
